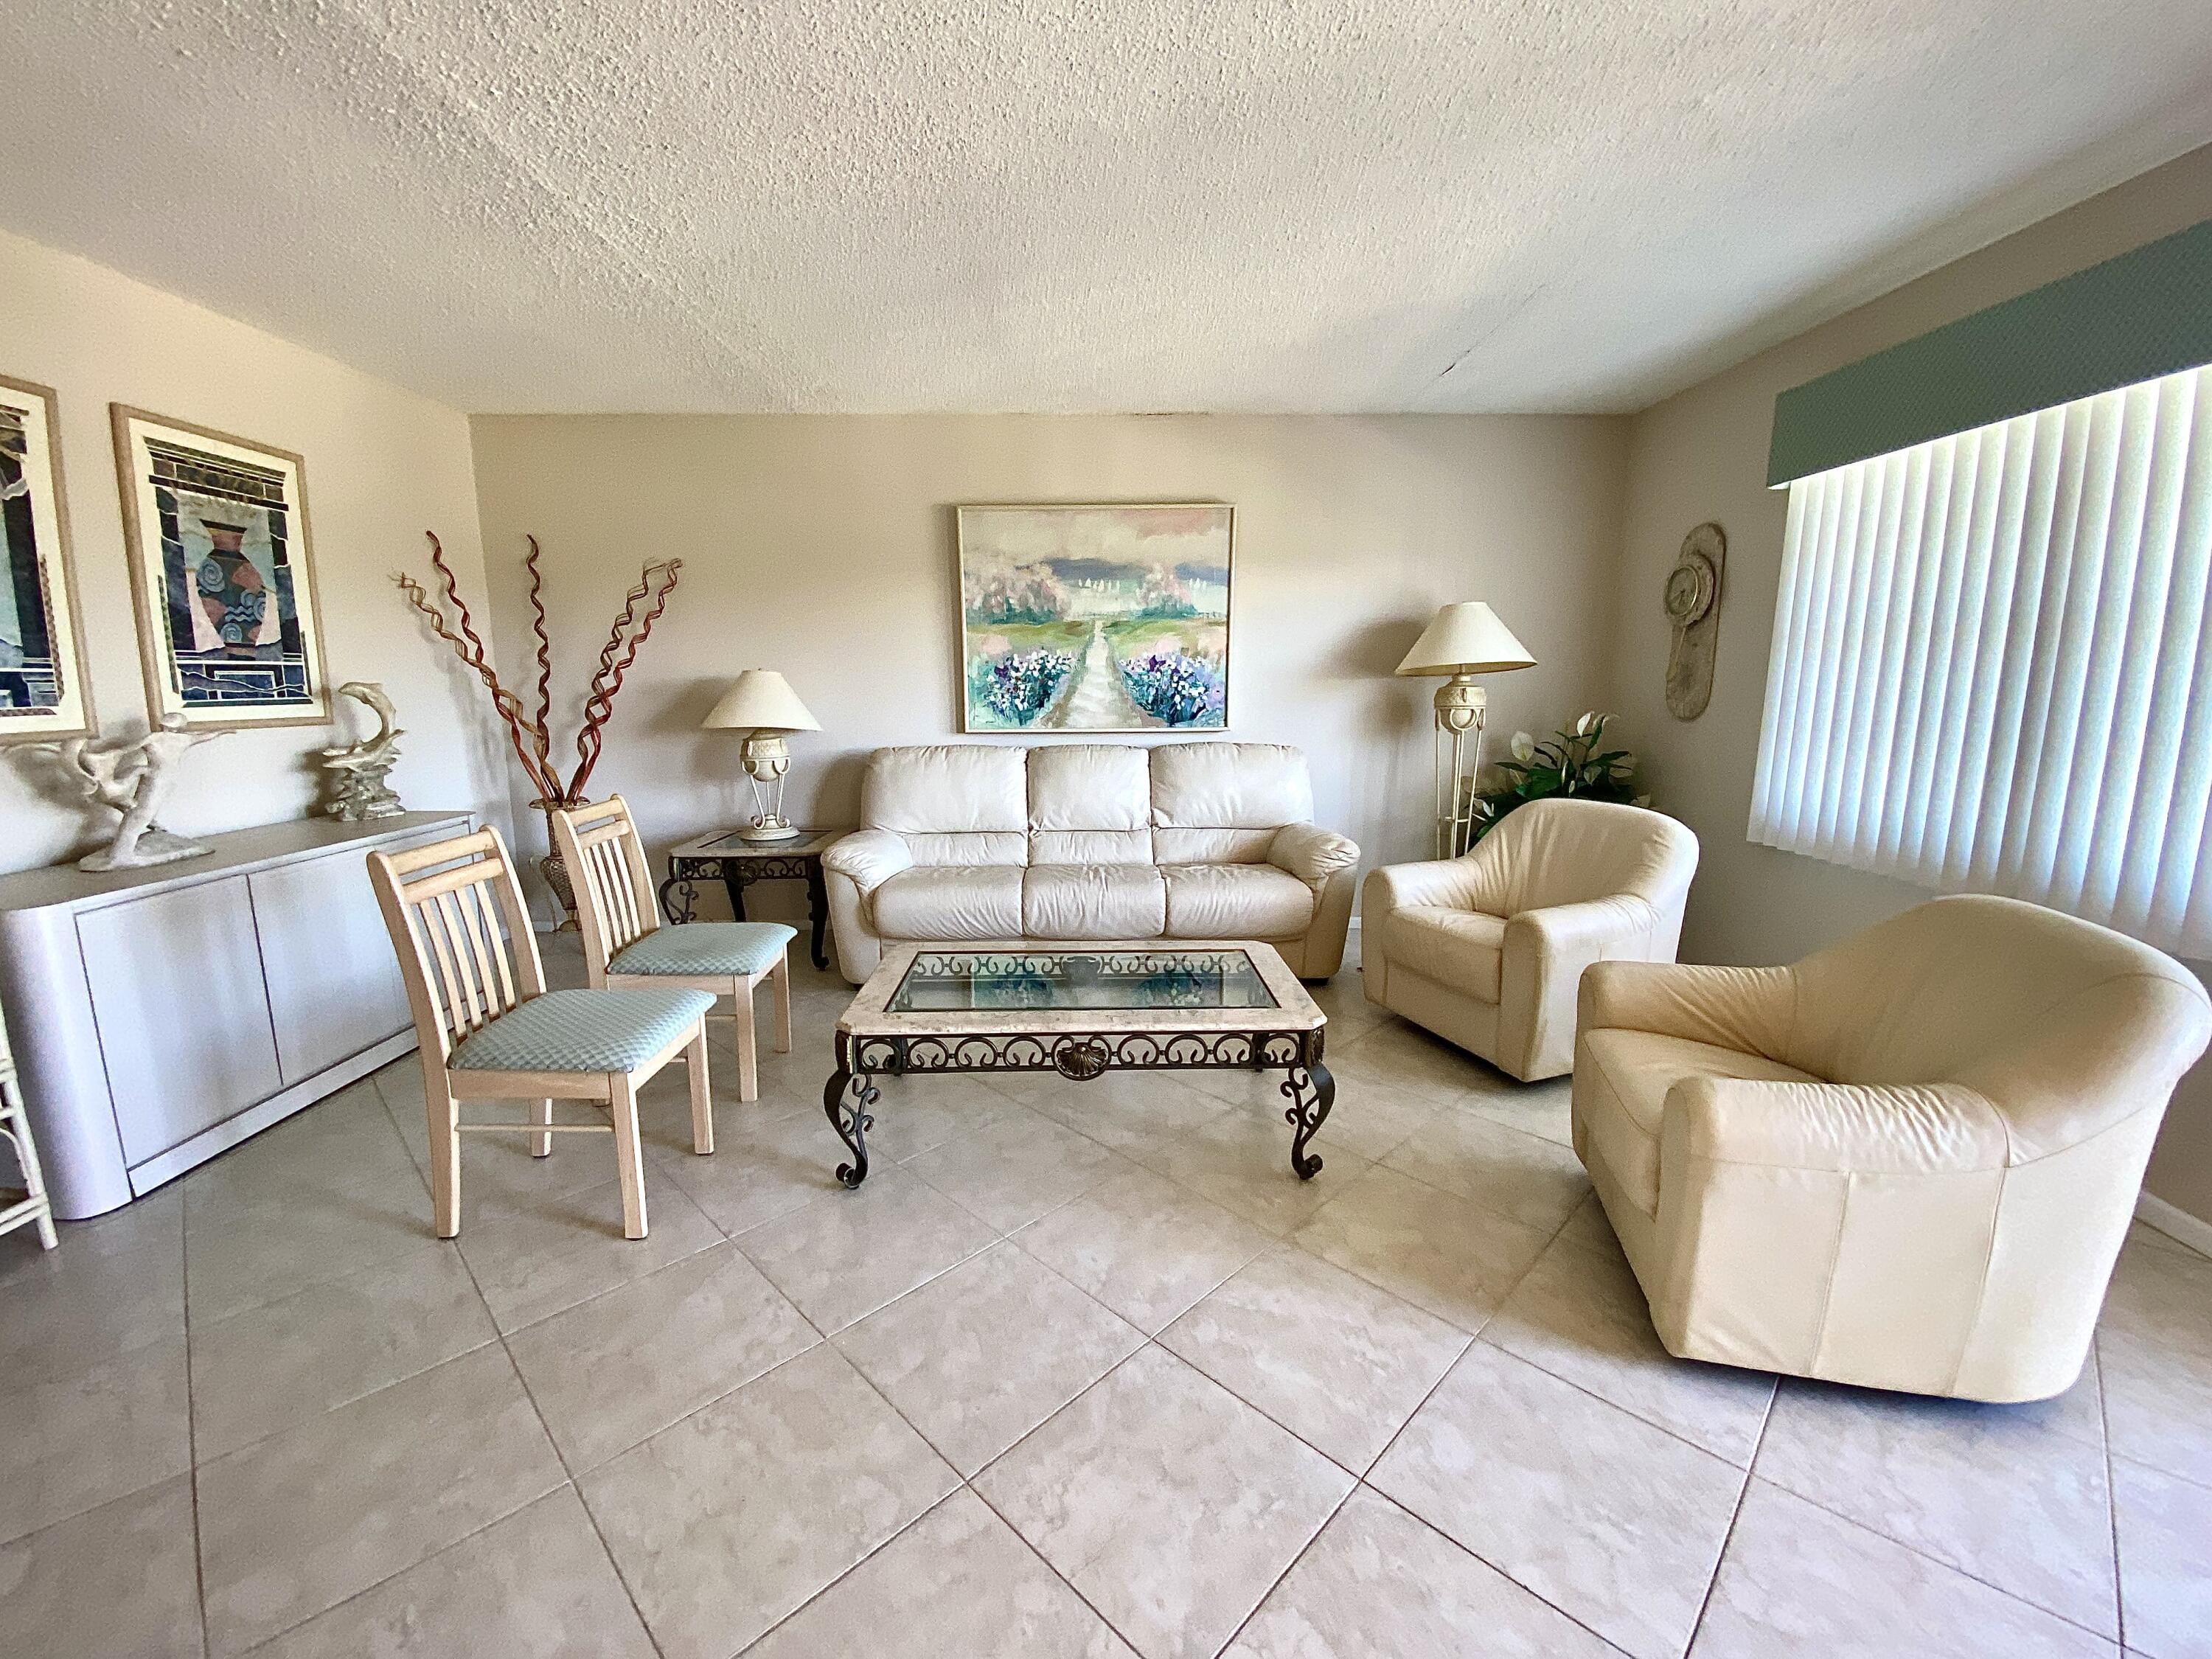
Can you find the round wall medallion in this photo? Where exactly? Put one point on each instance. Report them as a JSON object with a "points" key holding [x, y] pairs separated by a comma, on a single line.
{"points": [[1693, 601]]}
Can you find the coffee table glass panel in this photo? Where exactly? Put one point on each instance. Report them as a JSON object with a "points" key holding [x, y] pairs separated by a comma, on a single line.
{"points": [[1081, 1010]]}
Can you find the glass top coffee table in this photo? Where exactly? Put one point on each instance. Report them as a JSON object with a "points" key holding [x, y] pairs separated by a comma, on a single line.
{"points": [[1081, 1010]]}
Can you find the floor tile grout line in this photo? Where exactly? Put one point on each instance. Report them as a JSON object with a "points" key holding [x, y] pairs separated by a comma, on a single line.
{"points": [[1290, 1567], [2111, 1495], [859, 1561], [2158, 1469], [191, 1416], [561, 1456], [1926, 1555], [1720, 1560], [1419, 1519], [1074, 1589]]}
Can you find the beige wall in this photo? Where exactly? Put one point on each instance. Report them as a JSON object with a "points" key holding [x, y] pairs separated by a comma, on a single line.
{"points": [[382, 465], [823, 546], [1702, 455]]}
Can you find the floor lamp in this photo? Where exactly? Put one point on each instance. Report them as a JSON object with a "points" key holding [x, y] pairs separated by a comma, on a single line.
{"points": [[1465, 640]]}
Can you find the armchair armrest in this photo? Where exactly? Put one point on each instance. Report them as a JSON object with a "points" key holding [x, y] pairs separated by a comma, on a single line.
{"points": [[1546, 954], [868, 858], [1845, 1128], [1311, 853], [1746, 1008], [1448, 881]]}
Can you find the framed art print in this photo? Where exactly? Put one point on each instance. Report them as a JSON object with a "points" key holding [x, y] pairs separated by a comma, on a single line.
{"points": [[44, 694], [222, 575], [1095, 618]]}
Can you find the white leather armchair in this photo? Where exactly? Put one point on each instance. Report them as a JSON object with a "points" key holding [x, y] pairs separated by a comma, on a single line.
{"points": [[1487, 950], [1907, 1162]]}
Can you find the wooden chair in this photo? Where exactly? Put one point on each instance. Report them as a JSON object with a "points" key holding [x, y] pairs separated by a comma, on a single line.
{"points": [[491, 1030], [27, 1206], [626, 943]]}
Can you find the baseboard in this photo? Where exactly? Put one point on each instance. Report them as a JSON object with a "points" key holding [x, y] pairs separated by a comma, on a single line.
{"points": [[2174, 1222]]}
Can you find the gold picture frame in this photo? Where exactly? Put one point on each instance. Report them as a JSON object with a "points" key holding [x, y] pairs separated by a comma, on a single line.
{"points": [[229, 620], [45, 693], [1095, 616]]}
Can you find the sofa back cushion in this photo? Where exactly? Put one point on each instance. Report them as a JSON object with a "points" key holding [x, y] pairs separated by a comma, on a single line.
{"points": [[1089, 803], [1221, 803], [954, 803]]}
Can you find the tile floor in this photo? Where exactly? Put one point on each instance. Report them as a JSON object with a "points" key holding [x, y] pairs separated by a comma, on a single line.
{"points": [[1082, 1369]]}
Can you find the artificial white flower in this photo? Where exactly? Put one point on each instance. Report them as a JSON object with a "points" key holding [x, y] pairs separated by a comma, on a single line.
{"points": [[1524, 747], [1643, 800], [1588, 723]]}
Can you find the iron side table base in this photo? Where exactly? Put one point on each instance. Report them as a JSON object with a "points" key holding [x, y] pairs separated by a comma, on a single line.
{"points": [[738, 867], [1081, 1057]]}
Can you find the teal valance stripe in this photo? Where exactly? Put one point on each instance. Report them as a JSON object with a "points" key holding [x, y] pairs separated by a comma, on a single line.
{"points": [[2135, 318]]}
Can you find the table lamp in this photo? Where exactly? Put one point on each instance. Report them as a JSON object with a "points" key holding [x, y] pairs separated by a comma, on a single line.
{"points": [[1465, 640], [761, 704]]}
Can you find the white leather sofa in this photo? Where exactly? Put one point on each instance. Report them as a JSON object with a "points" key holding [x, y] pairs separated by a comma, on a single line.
{"points": [[1907, 1162], [1487, 950], [1090, 841]]}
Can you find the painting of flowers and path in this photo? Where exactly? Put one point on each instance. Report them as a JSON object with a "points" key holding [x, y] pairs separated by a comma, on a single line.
{"points": [[1095, 618]]}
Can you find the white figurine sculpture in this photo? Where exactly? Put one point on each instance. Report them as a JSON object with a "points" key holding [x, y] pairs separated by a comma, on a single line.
{"points": [[358, 770], [135, 779]]}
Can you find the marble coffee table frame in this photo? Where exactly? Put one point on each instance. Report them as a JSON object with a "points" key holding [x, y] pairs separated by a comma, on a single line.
{"points": [[1081, 1044]]}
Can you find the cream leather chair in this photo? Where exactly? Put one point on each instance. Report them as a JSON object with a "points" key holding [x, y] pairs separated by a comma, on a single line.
{"points": [[1485, 950], [1906, 1162]]}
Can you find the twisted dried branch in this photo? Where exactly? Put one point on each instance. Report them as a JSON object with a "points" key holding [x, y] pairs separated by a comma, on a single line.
{"points": [[660, 581], [468, 645], [533, 738], [543, 730]]}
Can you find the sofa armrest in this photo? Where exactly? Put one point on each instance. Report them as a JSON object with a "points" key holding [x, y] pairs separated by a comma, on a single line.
{"points": [[1311, 853], [1746, 1008], [868, 858], [1843, 1128]]}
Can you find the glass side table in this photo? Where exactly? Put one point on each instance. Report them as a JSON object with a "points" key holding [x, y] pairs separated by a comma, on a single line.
{"points": [[725, 856]]}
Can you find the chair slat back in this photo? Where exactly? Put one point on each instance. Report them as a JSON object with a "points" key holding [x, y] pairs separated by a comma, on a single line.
{"points": [[605, 857], [455, 913]]}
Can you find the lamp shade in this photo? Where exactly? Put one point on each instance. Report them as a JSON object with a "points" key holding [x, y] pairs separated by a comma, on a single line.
{"points": [[761, 700], [1465, 639]]}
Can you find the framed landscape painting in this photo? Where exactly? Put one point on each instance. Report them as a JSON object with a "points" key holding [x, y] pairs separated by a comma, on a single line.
{"points": [[1095, 618], [43, 691], [221, 574]]}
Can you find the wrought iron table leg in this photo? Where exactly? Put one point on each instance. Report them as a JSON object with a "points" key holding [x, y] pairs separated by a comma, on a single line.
{"points": [[1305, 1116], [817, 910], [669, 907], [850, 1119], [734, 885]]}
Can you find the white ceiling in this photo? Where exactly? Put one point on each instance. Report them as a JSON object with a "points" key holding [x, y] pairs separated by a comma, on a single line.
{"points": [[1116, 204]]}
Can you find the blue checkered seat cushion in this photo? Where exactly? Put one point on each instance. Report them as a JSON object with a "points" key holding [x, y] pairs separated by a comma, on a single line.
{"points": [[609, 1030], [706, 947]]}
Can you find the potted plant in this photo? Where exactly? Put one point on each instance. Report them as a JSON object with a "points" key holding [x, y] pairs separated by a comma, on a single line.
{"points": [[1574, 763]]}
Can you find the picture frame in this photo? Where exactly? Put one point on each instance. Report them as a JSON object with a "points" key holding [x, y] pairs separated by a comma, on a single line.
{"points": [[45, 692], [1095, 616], [229, 619]]}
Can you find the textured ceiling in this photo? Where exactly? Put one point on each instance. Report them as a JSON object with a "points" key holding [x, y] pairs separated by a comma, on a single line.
{"points": [[1127, 204]]}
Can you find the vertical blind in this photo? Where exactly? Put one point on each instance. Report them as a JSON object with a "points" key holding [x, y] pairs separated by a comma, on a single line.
{"points": [[1990, 668]]}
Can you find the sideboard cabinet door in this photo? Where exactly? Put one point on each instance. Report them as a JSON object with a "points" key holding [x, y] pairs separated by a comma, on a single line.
{"points": [[334, 984], [177, 995]]}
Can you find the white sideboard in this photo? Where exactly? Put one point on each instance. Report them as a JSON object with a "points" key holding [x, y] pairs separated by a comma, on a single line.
{"points": [[162, 1015]]}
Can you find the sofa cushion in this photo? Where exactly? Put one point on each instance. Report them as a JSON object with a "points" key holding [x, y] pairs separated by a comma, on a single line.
{"points": [[1632, 1071], [1090, 785], [946, 789], [1462, 950], [1093, 900], [1235, 901], [952, 901], [968, 847], [1219, 802]]}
